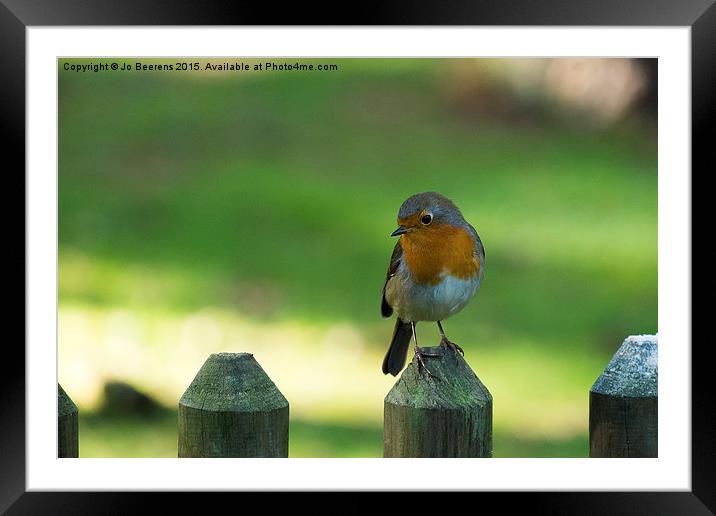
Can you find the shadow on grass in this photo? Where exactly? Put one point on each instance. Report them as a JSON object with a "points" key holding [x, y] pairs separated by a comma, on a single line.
{"points": [[155, 436]]}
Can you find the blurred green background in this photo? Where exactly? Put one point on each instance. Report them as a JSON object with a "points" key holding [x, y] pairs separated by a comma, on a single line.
{"points": [[202, 212]]}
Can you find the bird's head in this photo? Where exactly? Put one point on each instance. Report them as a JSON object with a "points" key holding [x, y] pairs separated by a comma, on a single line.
{"points": [[425, 213]]}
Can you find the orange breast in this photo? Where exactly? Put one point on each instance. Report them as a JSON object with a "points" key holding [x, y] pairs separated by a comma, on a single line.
{"points": [[430, 251]]}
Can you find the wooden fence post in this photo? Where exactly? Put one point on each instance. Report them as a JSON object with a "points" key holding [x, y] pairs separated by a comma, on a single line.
{"points": [[233, 409], [449, 417], [68, 444], [623, 402]]}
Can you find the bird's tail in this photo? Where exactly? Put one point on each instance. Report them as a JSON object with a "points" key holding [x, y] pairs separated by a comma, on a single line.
{"points": [[398, 350]]}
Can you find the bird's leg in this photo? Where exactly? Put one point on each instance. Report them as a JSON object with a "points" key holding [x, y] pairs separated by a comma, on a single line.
{"points": [[445, 343], [419, 354]]}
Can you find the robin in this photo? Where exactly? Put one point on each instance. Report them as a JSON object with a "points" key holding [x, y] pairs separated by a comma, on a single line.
{"points": [[435, 270]]}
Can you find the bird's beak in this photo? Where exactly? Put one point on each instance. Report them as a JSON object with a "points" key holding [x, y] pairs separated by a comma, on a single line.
{"points": [[399, 231]]}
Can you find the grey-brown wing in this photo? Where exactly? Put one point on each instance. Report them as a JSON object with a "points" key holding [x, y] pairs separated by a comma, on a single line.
{"points": [[478, 243], [395, 258]]}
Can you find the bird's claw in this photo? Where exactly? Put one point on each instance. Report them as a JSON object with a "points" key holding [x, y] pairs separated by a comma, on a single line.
{"points": [[419, 354], [448, 344]]}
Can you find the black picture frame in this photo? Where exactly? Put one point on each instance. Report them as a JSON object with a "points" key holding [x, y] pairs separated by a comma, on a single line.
{"points": [[699, 15]]}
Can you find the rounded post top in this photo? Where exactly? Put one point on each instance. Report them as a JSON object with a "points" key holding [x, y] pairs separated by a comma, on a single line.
{"points": [[232, 382], [456, 386], [633, 371]]}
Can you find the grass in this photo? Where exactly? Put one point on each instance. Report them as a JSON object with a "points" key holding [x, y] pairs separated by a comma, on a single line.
{"points": [[257, 209]]}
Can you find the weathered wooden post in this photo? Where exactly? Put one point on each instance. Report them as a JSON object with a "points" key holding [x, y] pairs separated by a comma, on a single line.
{"points": [[623, 402], [68, 444], [446, 417], [233, 409]]}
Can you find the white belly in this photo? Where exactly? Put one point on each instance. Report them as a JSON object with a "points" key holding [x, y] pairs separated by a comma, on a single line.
{"points": [[414, 303]]}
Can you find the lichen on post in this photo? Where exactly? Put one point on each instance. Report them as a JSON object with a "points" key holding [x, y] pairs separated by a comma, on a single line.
{"points": [[623, 402], [233, 409], [447, 416]]}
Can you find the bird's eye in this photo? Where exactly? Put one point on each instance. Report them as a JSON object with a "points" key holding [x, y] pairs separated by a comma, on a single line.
{"points": [[426, 219]]}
